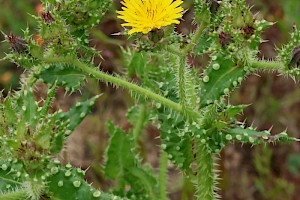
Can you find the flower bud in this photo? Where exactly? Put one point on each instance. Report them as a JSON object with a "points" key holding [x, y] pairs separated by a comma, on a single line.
{"points": [[225, 39], [18, 45], [47, 17], [156, 35]]}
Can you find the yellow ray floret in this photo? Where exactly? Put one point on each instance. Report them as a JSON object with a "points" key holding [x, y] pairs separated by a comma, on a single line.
{"points": [[146, 15]]}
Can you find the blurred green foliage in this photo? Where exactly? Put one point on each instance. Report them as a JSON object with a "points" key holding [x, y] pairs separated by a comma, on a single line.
{"points": [[15, 17], [291, 11]]}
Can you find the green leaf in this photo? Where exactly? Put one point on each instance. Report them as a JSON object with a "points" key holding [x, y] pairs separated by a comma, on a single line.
{"points": [[137, 65], [10, 179], [231, 111], [250, 135], [176, 140], [29, 108], [77, 113], [47, 104], [69, 183], [138, 177], [121, 164], [63, 75], [119, 155], [10, 114], [221, 77], [68, 121], [203, 44]]}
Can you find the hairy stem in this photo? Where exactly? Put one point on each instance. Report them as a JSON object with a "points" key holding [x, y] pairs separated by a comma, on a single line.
{"points": [[268, 65], [182, 85], [121, 82], [276, 66], [163, 175], [14, 195], [205, 176], [196, 37]]}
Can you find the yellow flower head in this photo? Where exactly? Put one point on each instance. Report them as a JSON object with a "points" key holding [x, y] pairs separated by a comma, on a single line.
{"points": [[146, 15]]}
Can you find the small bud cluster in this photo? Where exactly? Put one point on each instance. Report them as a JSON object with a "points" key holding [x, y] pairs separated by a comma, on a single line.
{"points": [[47, 17], [18, 45]]}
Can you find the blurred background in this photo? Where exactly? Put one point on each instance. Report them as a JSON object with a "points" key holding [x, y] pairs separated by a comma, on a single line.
{"points": [[270, 172]]}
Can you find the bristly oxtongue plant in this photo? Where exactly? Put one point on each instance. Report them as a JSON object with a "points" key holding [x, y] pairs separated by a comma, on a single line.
{"points": [[187, 105]]}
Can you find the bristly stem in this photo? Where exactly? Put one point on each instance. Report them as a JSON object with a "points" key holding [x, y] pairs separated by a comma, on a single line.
{"points": [[93, 72], [276, 66], [195, 39], [205, 172], [14, 195], [268, 65], [163, 167]]}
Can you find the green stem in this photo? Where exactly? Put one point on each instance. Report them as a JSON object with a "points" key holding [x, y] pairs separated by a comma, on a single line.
{"points": [[138, 126], [190, 46], [31, 81], [14, 195], [182, 86], [115, 81], [268, 65], [163, 175], [120, 82], [205, 176], [196, 37]]}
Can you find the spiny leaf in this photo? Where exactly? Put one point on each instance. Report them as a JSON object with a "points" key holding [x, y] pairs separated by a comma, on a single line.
{"points": [[10, 115], [77, 113], [69, 183], [202, 44], [219, 79], [250, 135], [121, 164], [69, 121], [119, 155], [231, 111], [29, 108], [62, 75], [176, 140], [8, 178], [51, 93], [140, 180]]}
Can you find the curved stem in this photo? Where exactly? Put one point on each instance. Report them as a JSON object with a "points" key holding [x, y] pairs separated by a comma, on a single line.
{"points": [[163, 175], [115, 81], [121, 82], [125, 84], [196, 37]]}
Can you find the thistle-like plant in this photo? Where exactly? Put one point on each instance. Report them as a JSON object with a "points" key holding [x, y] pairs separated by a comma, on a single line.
{"points": [[188, 106]]}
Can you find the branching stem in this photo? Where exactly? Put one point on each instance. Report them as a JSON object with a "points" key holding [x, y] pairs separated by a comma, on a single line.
{"points": [[120, 82]]}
